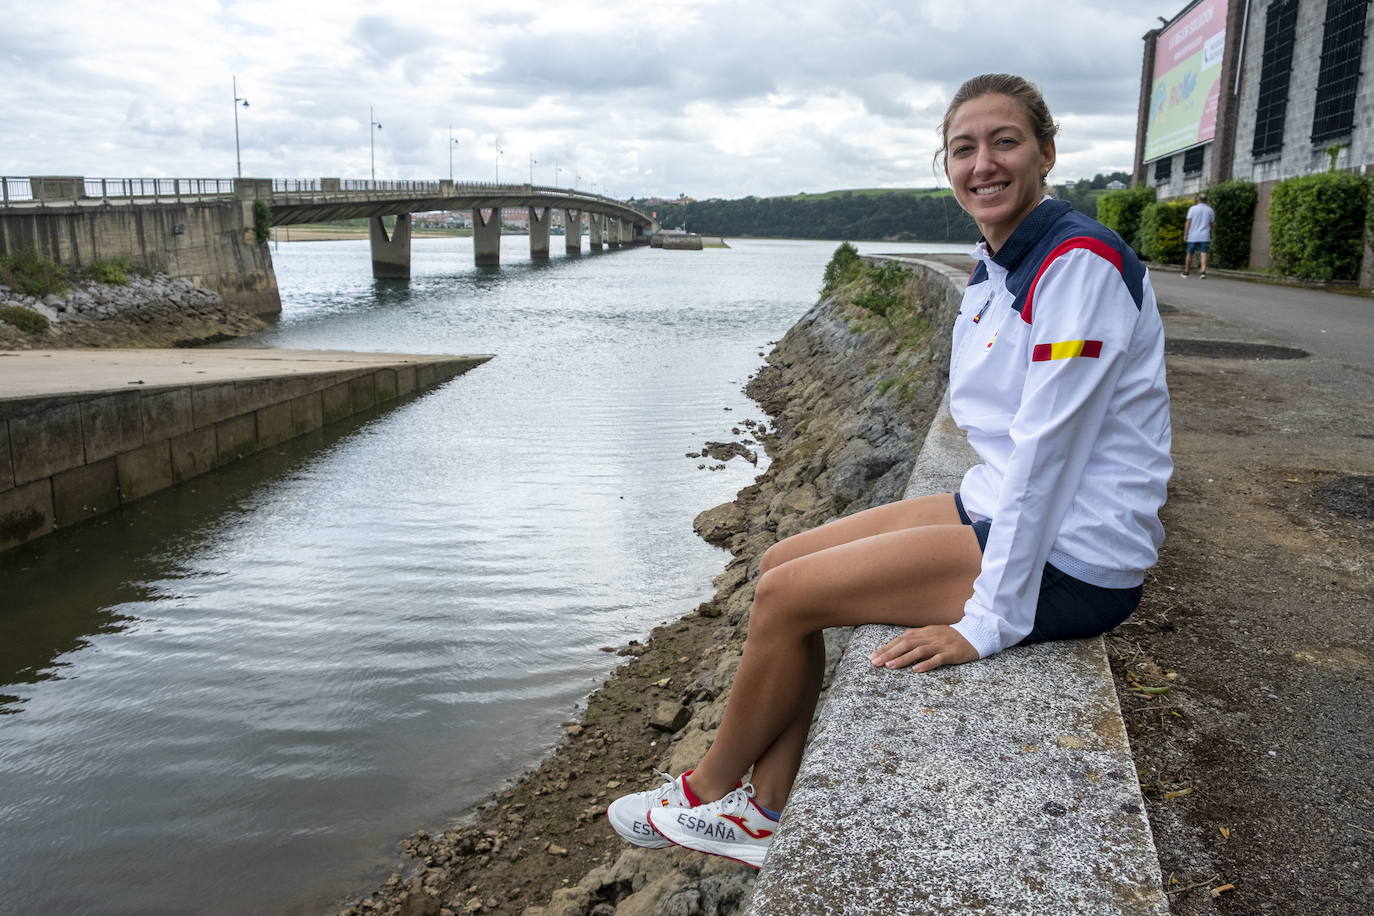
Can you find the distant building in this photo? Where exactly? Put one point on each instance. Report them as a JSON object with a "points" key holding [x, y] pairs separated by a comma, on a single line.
{"points": [[1256, 89], [1115, 185]]}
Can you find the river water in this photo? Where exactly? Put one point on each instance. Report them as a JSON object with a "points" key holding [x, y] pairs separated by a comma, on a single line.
{"points": [[237, 695]]}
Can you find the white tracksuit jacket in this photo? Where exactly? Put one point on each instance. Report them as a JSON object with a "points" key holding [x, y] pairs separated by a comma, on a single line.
{"points": [[1057, 377]]}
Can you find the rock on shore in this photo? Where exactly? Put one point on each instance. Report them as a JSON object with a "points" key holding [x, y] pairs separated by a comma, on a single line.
{"points": [[851, 396], [155, 311]]}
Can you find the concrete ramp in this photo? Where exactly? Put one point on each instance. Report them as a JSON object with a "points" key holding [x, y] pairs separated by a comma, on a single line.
{"points": [[84, 431]]}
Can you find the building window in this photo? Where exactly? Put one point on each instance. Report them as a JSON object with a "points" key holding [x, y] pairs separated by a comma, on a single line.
{"points": [[1164, 170], [1192, 160], [1339, 76], [1280, 27]]}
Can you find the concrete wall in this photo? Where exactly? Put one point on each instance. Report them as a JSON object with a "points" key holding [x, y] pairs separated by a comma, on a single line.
{"points": [[68, 458], [203, 241]]}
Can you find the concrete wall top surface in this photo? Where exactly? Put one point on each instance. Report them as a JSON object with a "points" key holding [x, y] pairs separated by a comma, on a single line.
{"points": [[33, 378]]}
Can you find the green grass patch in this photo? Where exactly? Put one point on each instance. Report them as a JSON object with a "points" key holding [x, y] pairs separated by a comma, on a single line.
{"points": [[32, 274], [112, 271], [26, 320]]}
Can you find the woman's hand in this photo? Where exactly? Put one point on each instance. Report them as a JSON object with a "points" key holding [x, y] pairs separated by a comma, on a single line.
{"points": [[927, 647]]}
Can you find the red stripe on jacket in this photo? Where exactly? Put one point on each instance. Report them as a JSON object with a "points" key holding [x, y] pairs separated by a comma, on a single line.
{"points": [[1096, 246]]}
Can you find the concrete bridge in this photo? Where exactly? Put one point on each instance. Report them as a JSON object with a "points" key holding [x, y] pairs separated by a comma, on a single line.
{"points": [[203, 227]]}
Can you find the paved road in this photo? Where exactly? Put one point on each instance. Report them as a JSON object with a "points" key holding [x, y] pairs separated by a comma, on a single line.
{"points": [[1332, 325]]}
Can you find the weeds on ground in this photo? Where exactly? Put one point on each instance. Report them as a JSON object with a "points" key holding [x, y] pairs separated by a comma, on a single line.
{"points": [[26, 320], [31, 274], [113, 271]]}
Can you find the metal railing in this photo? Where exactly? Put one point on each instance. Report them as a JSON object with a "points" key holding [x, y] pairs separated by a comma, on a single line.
{"points": [[63, 191], [288, 185], [15, 189], [158, 188], [21, 190], [364, 184]]}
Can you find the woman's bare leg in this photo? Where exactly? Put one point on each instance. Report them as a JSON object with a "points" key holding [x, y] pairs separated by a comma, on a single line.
{"points": [[936, 509], [911, 577]]}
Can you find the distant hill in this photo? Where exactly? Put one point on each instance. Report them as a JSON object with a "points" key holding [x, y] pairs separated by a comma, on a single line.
{"points": [[895, 214], [871, 192]]}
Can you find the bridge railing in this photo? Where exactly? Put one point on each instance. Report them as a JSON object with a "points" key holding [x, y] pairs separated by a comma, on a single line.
{"points": [[365, 184], [158, 188], [15, 189]]}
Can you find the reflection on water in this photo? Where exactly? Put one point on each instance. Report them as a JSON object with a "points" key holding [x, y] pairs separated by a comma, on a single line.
{"points": [[236, 696]]}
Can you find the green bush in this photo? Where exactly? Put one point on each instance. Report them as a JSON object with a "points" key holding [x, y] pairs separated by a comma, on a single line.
{"points": [[31, 274], [1120, 211], [1234, 203], [1316, 226], [24, 319], [262, 221], [844, 267], [1160, 237], [114, 271], [884, 288]]}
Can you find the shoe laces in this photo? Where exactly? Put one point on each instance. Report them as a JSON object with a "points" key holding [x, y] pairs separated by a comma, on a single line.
{"points": [[734, 801], [671, 789]]}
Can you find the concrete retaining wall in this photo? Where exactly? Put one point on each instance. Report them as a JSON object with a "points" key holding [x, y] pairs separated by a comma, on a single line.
{"points": [[202, 241], [1000, 787], [69, 457]]}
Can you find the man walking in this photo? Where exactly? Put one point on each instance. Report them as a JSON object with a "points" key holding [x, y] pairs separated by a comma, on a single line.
{"points": [[1197, 234]]}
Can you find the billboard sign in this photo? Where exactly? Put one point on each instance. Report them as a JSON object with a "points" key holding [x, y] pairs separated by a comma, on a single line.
{"points": [[1187, 80]]}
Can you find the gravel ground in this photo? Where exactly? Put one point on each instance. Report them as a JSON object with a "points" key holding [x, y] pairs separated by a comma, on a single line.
{"points": [[1247, 676]]}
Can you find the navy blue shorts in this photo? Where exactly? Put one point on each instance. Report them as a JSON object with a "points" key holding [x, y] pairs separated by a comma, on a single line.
{"points": [[1069, 608], [1198, 247]]}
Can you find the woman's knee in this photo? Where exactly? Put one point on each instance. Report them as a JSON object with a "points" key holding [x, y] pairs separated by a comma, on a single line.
{"points": [[775, 606]]}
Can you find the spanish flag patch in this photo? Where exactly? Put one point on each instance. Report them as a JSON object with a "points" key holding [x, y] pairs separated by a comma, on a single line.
{"points": [[1065, 349]]}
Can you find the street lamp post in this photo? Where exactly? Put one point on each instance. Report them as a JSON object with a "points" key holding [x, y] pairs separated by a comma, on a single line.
{"points": [[238, 158], [451, 144], [496, 145], [533, 163], [371, 144], [556, 170]]}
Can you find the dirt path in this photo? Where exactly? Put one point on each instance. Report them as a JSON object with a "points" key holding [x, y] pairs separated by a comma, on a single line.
{"points": [[1257, 759]]}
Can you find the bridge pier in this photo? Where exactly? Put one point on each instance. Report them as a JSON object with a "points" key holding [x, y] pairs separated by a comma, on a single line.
{"points": [[390, 255], [539, 233], [486, 238], [572, 230], [597, 223], [613, 232]]}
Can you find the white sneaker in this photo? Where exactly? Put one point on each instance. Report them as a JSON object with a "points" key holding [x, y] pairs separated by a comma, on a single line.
{"points": [[628, 813], [732, 828]]}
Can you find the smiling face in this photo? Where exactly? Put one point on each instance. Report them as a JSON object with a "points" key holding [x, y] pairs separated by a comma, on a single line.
{"points": [[995, 165]]}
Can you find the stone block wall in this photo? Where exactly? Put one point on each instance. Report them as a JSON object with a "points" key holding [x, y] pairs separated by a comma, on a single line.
{"points": [[203, 241], [66, 459]]}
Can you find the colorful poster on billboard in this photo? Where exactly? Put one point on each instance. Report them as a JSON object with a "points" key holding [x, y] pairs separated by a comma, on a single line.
{"points": [[1187, 80]]}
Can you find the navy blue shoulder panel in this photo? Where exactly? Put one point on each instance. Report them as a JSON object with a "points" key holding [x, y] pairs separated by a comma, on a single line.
{"points": [[980, 273], [1055, 227]]}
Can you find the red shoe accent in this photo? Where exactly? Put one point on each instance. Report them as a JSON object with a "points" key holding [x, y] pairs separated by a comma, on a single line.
{"points": [[687, 790], [741, 824]]}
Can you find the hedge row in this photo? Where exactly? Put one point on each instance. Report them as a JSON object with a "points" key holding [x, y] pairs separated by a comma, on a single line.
{"points": [[1317, 224]]}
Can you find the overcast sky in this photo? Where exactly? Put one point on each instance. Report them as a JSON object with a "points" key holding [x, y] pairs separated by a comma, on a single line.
{"points": [[710, 98]]}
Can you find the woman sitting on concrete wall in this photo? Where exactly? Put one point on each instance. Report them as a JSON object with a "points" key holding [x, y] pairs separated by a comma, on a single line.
{"points": [[1057, 377]]}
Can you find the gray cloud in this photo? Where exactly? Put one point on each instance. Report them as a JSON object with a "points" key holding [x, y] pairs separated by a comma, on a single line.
{"points": [[724, 99]]}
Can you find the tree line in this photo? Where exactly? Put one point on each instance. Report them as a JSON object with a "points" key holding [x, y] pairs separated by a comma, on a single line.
{"points": [[900, 214]]}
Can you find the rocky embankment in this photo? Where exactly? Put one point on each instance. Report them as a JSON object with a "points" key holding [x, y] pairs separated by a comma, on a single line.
{"points": [[156, 311], [851, 395]]}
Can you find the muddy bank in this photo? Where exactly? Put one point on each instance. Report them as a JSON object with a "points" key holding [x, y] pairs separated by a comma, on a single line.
{"points": [[156, 311], [850, 395]]}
